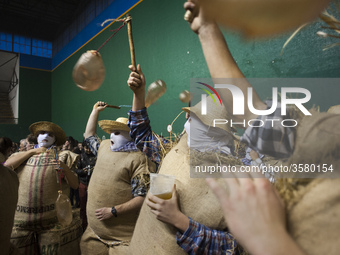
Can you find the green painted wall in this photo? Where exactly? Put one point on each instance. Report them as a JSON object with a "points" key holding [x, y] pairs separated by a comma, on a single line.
{"points": [[34, 102], [167, 49]]}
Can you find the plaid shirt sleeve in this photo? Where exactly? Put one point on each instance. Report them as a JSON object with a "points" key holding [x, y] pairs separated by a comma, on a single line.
{"points": [[141, 133], [93, 143], [271, 138], [138, 187], [198, 239]]}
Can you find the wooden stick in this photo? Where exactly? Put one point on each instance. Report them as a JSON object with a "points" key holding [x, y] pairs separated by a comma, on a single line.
{"points": [[132, 49], [113, 106]]}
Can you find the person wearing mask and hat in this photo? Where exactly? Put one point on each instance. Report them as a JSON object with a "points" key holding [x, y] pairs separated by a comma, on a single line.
{"points": [[117, 188], [195, 219], [9, 184], [40, 181]]}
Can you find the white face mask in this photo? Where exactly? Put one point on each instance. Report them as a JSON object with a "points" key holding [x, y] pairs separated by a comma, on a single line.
{"points": [[45, 140], [204, 138], [187, 129], [118, 139]]}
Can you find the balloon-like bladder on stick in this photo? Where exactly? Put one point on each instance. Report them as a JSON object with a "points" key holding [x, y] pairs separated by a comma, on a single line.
{"points": [[154, 92], [185, 97], [89, 71]]}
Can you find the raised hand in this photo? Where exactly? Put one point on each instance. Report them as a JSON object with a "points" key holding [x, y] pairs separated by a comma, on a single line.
{"points": [[136, 79], [99, 106], [255, 215], [198, 19]]}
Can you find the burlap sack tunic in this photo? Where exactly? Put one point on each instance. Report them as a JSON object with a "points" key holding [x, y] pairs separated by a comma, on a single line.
{"points": [[314, 220], [35, 215], [196, 200], [110, 185], [38, 189], [314, 214]]}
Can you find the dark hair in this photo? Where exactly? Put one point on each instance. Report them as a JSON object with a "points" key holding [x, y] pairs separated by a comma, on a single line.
{"points": [[32, 139], [85, 144], [5, 143], [72, 142]]}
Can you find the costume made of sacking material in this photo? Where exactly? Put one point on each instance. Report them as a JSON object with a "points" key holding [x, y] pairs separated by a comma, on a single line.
{"points": [[313, 209], [35, 213], [312, 197], [196, 201], [36, 228], [110, 185], [9, 185]]}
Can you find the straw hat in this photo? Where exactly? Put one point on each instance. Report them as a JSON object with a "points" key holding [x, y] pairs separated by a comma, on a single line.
{"points": [[46, 126], [334, 109], [119, 124], [217, 111]]}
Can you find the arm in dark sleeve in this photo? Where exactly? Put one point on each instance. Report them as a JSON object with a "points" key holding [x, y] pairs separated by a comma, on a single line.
{"points": [[80, 172], [141, 133], [198, 239]]}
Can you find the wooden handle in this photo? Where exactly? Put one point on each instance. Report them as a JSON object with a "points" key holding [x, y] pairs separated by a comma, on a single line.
{"points": [[132, 48], [113, 106]]}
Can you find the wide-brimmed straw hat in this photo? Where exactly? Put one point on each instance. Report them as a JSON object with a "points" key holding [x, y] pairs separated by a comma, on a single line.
{"points": [[119, 124], [214, 111], [46, 126]]}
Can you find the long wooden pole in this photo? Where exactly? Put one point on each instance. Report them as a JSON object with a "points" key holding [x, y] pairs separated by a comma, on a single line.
{"points": [[132, 48]]}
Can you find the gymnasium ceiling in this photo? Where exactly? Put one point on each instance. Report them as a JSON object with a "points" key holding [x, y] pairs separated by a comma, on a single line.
{"points": [[43, 19]]}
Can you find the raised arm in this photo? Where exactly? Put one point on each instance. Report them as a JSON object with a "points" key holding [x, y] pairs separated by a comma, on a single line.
{"points": [[91, 126], [139, 123], [136, 83], [220, 62]]}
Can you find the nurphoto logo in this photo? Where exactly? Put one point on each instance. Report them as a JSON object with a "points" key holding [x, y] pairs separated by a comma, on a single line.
{"points": [[239, 104]]}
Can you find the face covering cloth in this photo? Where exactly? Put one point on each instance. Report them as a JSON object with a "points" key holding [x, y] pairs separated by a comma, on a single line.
{"points": [[119, 140], [45, 140], [204, 138]]}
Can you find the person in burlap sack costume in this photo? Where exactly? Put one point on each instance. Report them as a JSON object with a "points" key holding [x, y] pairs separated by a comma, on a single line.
{"points": [[39, 184], [119, 183], [9, 184], [197, 227], [308, 222]]}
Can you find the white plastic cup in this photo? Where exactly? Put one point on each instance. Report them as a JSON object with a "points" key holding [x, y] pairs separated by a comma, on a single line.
{"points": [[161, 185]]}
